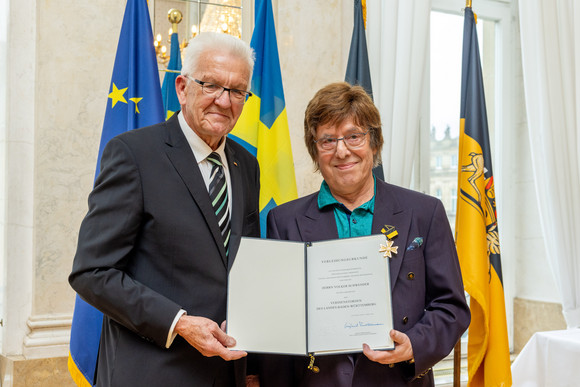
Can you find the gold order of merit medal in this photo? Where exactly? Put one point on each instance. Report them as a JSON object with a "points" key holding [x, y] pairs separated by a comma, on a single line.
{"points": [[389, 249]]}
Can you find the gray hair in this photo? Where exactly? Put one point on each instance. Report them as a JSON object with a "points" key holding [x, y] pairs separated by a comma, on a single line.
{"points": [[208, 41]]}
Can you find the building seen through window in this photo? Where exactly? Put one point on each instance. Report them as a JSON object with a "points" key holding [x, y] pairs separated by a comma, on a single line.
{"points": [[445, 75]]}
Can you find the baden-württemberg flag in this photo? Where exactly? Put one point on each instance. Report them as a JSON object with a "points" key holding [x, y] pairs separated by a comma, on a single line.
{"points": [[170, 101], [263, 125], [358, 71], [134, 101], [476, 228]]}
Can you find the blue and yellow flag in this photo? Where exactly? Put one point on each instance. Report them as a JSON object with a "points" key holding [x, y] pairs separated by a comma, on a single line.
{"points": [[477, 235], [358, 71], [134, 101], [263, 125], [170, 101]]}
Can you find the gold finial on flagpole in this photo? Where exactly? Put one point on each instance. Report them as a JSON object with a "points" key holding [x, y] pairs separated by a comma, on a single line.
{"points": [[467, 3], [175, 16]]}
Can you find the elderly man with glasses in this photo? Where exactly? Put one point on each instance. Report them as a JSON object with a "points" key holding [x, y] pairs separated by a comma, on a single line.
{"points": [[164, 223]]}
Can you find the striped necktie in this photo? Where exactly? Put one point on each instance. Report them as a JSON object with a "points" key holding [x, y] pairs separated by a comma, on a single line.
{"points": [[218, 194]]}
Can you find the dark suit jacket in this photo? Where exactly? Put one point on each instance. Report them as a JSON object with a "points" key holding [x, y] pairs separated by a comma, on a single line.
{"points": [[149, 246], [427, 290]]}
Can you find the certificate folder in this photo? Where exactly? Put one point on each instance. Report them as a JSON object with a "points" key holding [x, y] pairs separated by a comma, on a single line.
{"points": [[299, 298]]}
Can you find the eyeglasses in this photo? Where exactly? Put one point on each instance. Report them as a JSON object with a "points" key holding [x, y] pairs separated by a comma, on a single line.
{"points": [[352, 141], [216, 91]]}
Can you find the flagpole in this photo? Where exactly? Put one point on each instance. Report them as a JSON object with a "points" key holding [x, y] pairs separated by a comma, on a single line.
{"points": [[457, 348], [457, 364]]}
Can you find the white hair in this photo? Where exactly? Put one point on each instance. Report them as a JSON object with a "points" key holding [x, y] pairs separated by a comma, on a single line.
{"points": [[210, 41]]}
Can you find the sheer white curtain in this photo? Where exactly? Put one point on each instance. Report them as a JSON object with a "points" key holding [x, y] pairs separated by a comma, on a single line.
{"points": [[550, 39], [398, 35]]}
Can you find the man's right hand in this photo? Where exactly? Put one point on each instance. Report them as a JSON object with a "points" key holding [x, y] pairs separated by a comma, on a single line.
{"points": [[207, 337]]}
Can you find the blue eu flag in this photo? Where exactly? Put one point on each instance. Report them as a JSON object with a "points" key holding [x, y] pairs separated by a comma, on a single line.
{"points": [[134, 101]]}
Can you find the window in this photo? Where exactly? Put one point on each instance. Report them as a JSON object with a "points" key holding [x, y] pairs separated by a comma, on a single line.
{"points": [[446, 38], [438, 162], [453, 206], [454, 160]]}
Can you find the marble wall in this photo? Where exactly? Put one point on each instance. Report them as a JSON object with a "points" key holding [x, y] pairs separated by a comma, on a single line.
{"points": [[535, 316], [48, 372], [58, 73], [313, 41], [76, 45]]}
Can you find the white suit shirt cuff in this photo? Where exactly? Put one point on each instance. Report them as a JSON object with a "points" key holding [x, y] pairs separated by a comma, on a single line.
{"points": [[171, 336]]}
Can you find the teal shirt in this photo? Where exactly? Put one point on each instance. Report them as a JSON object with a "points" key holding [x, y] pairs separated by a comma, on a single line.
{"points": [[349, 224]]}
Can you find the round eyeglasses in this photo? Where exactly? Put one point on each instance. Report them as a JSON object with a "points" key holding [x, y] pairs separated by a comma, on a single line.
{"points": [[216, 91], [352, 141]]}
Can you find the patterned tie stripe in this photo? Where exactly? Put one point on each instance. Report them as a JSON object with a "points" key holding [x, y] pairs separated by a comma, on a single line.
{"points": [[218, 194]]}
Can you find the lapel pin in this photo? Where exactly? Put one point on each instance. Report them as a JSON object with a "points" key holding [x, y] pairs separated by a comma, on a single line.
{"points": [[389, 231]]}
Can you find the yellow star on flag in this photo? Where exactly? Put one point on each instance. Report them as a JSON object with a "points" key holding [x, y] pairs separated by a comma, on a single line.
{"points": [[136, 100], [388, 249], [117, 95]]}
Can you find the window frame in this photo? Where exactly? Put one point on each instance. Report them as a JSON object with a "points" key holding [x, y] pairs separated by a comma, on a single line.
{"points": [[504, 141]]}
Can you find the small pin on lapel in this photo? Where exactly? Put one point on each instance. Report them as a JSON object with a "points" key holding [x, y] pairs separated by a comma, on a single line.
{"points": [[389, 231]]}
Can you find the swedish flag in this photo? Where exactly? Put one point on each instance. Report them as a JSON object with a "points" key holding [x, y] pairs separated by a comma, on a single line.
{"points": [[477, 235], [263, 125], [170, 101], [134, 101]]}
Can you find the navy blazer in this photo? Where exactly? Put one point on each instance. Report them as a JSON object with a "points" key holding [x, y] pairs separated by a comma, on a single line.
{"points": [[149, 246], [427, 290]]}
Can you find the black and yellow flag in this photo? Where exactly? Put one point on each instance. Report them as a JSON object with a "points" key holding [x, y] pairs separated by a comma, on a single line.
{"points": [[358, 70], [476, 228]]}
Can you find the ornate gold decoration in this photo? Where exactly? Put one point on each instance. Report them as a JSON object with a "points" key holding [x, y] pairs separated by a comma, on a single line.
{"points": [[224, 16], [388, 249]]}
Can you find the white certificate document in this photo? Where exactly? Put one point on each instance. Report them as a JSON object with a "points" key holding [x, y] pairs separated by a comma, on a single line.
{"points": [[348, 296], [297, 298], [266, 297]]}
